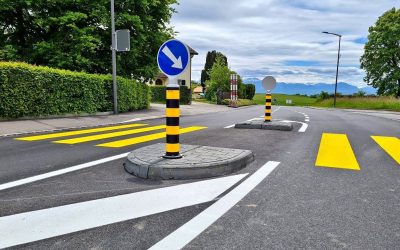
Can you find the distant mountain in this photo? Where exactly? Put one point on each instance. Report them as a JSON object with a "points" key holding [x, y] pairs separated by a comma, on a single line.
{"points": [[310, 89]]}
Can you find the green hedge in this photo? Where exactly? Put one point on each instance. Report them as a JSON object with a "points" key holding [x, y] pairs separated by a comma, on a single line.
{"points": [[158, 94], [34, 91]]}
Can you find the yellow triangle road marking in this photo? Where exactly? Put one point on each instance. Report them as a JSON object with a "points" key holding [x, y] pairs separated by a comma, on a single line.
{"points": [[109, 135], [391, 145], [77, 132], [335, 152], [146, 138]]}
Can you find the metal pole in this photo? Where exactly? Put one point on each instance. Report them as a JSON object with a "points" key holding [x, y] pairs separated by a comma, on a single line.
{"points": [[337, 73], [114, 59]]}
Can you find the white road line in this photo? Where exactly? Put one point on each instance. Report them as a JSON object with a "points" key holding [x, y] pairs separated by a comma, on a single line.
{"points": [[303, 128], [230, 126], [189, 231], [42, 224], [60, 172]]}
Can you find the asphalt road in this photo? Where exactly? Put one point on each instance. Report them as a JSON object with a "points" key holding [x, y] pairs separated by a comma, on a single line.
{"points": [[296, 205]]}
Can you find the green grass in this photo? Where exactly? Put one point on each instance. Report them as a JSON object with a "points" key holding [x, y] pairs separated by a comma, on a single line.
{"points": [[368, 103], [373, 103], [297, 100]]}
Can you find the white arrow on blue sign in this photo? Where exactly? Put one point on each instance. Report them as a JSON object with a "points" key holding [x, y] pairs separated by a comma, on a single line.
{"points": [[173, 57]]}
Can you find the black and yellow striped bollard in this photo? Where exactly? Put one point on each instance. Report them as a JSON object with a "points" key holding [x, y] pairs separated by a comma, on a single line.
{"points": [[172, 147], [268, 106]]}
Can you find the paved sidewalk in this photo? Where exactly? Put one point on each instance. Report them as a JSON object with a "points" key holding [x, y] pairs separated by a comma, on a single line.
{"points": [[155, 111]]}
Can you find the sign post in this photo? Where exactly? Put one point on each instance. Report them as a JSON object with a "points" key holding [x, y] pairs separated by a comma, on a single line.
{"points": [[234, 91], [120, 41], [173, 58], [269, 83]]}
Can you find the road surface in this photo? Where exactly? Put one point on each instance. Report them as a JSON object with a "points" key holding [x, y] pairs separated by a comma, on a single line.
{"points": [[333, 182]]}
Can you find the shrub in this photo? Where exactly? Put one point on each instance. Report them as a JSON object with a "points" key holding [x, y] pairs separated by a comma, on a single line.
{"points": [[240, 102], [249, 91], [34, 91], [323, 95], [158, 94]]}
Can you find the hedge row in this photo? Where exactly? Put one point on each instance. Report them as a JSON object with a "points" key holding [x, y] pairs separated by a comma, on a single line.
{"points": [[158, 94], [34, 91]]}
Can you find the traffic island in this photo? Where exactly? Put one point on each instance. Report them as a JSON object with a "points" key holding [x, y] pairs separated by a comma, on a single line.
{"points": [[261, 124], [197, 162]]}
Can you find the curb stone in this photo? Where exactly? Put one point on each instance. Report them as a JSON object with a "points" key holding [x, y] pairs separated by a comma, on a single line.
{"points": [[197, 162]]}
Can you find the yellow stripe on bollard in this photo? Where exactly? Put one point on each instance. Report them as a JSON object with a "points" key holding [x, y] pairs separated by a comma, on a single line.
{"points": [[173, 94], [172, 148], [172, 130], [173, 112]]}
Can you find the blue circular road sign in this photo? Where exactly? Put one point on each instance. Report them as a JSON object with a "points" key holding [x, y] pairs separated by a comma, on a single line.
{"points": [[173, 57]]}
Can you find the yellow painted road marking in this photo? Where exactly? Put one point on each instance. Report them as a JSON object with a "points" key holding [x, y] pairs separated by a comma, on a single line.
{"points": [[335, 152], [390, 144], [109, 135], [146, 138], [77, 132]]}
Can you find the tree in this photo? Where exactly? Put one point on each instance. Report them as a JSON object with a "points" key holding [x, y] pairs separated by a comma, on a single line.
{"points": [[210, 61], [219, 79], [381, 59], [76, 34]]}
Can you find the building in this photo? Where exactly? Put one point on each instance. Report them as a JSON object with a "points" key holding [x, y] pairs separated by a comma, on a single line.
{"points": [[185, 79]]}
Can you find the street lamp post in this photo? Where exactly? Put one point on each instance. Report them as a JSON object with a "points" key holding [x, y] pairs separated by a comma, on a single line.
{"points": [[337, 66]]}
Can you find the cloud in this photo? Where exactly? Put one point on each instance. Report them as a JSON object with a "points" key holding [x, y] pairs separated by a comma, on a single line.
{"points": [[281, 37]]}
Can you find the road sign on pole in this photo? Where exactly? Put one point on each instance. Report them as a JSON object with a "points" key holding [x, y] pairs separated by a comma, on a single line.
{"points": [[123, 40], [173, 58], [114, 59], [269, 83]]}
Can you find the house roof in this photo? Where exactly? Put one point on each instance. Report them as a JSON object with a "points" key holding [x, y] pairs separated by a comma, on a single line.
{"points": [[192, 51], [161, 75], [198, 89]]}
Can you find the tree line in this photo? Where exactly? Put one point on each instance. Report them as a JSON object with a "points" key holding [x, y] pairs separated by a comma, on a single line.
{"points": [[76, 34]]}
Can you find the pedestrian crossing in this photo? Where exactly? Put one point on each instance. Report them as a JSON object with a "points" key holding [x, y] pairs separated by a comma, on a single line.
{"points": [[335, 151], [98, 134]]}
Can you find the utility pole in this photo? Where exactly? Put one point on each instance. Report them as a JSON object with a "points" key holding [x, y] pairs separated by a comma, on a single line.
{"points": [[114, 59], [337, 66]]}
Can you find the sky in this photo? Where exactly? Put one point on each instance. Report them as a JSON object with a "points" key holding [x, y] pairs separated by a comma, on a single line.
{"points": [[281, 38]]}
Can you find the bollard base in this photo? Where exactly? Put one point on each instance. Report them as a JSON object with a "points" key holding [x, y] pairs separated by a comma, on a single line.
{"points": [[267, 125], [172, 157], [199, 162]]}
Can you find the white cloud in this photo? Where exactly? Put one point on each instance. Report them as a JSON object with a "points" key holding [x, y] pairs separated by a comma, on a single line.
{"points": [[259, 36]]}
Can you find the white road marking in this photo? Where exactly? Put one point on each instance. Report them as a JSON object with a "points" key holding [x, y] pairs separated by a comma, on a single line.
{"points": [[144, 118], [60, 172], [42, 224], [230, 126], [303, 128], [189, 231]]}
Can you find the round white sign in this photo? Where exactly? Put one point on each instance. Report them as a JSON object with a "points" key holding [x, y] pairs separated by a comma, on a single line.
{"points": [[269, 83]]}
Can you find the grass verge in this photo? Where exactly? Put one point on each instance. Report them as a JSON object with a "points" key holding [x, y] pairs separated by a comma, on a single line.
{"points": [[297, 100], [370, 103]]}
